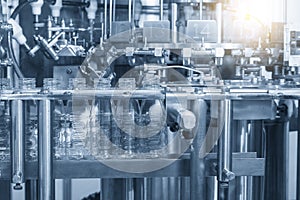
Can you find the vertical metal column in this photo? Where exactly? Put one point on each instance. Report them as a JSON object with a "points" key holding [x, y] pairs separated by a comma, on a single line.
{"points": [[276, 169], [110, 16], [17, 149], [157, 188], [201, 9], [241, 143], [67, 187], [219, 18], [139, 188], [257, 144], [32, 189], [133, 13], [105, 20], [114, 10], [165, 187], [161, 9], [173, 188], [298, 154], [185, 188], [106, 189], [197, 176], [129, 189], [46, 181], [225, 152], [148, 188], [130, 10], [174, 21]]}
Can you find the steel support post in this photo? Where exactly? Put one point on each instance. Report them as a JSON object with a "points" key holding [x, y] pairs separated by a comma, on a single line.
{"points": [[225, 174], [46, 181], [17, 150]]}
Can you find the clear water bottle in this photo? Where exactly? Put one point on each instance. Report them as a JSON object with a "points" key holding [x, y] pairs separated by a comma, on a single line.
{"points": [[31, 140], [27, 83], [77, 83], [62, 138], [4, 131], [5, 84], [52, 84], [79, 125], [103, 83]]}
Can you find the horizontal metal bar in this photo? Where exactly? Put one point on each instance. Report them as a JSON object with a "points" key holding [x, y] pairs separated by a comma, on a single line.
{"points": [[241, 166], [209, 93], [212, 156]]}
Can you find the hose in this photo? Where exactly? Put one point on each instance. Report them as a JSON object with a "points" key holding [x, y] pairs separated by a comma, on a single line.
{"points": [[13, 57], [9, 37], [179, 67], [20, 7]]}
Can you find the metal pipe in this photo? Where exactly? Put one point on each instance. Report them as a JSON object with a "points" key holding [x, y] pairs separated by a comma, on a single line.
{"points": [[244, 184], [110, 16], [91, 32], [10, 75], [276, 167], [148, 185], [133, 13], [129, 189], [219, 17], [114, 10], [67, 189], [102, 33], [164, 187], [12, 56], [161, 9], [298, 155], [242, 144], [106, 188], [184, 188], [174, 21], [257, 144], [157, 188], [129, 10], [31, 187], [201, 9], [46, 185], [139, 188], [173, 188], [105, 20], [17, 145], [197, 178], [225, 152], [75, 4]]}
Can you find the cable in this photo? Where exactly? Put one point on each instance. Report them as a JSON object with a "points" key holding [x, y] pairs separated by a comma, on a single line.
{"points": [[9, 37], [20, 7], [180, 67], [13, 57]]}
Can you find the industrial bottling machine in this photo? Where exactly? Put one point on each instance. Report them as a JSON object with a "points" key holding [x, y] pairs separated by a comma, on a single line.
{"points": [[153, 99]]}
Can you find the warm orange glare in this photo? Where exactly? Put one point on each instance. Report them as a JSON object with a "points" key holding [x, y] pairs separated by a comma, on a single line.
{"points": [[259, 10]]}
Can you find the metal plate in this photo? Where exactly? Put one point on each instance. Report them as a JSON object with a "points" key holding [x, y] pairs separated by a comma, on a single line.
{"points": [[243, 164], [65, 73], [202, 30], [157, 31], [254, 109], [121, 31]]}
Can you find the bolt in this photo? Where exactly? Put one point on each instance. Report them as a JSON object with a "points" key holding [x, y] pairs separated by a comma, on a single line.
{"points": [[17, 177], [69, 71], [229, 175]]}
